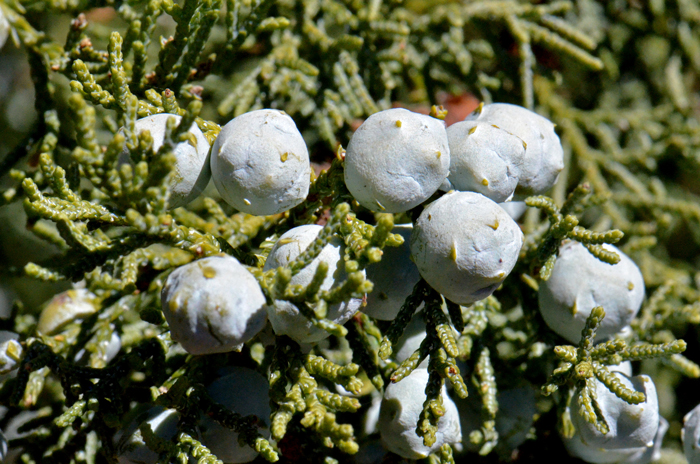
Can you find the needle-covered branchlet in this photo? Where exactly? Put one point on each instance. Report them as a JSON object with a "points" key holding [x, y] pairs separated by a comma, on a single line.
{"points": [[191, 172], [324, 273], [393, 277], [402, 406], [605, 408], [226, 391]]}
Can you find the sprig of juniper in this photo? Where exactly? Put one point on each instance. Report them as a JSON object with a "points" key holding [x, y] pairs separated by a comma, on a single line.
{"points": [[580, 366], [564, 225], [294, 390], [191, 400], [83, 394]]}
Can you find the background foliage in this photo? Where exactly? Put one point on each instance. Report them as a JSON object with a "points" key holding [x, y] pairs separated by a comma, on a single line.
{"points": [[619, 78]]}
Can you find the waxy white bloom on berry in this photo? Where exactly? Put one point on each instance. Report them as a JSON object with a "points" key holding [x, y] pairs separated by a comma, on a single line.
{"points": [[640, 455], [284, 315], [260, 163], [517, 409], [634, 428], [544, 156], [191, 170], [213, 305], [396, 160], [130, 446], [411, 339], [399, 413], [465, 245], [245, 392], [484, 158], [580, 281], [393, 277], [631, 425], [691, 436]]}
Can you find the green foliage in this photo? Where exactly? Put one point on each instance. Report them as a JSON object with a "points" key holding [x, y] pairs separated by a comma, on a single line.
{"points": [[579, 367], [618, 78], [565, 226]]}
